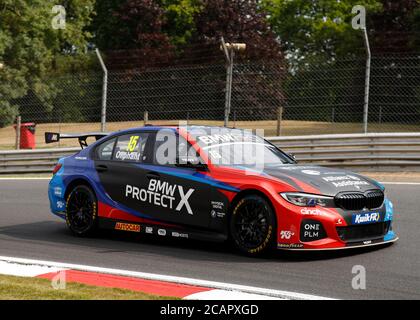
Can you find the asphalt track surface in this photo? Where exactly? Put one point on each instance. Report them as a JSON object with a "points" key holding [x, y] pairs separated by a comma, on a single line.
{"points": [[28, 230]]}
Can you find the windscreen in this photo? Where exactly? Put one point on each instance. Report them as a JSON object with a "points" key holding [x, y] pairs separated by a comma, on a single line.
{"points": [[234, 147]]}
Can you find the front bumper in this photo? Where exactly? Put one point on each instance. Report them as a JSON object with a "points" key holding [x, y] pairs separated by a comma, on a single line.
{"points": [[391, 237], [318, 228]]}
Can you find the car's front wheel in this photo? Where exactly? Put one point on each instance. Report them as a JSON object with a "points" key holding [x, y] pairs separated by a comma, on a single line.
{"points": [[81, 211], [253, 225]]}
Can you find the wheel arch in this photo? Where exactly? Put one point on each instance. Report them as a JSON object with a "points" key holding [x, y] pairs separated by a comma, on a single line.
{"points": [[77, 182], [270, 241], [93, 225], [247, 192]]}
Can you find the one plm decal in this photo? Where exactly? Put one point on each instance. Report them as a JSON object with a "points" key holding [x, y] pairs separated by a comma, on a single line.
{"points": [[162, 194], [365, 218]]}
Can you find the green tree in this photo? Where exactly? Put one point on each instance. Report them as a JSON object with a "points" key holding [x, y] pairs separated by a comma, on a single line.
{"points": [[131, 33], [105, 22], [317, 29], [174, 18], [29, 46], [328, 57], [396, 28], [237, 21], [179, 19]]}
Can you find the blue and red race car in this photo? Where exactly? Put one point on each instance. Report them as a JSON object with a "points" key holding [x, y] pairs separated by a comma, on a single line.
{"points": [[213, 183]]}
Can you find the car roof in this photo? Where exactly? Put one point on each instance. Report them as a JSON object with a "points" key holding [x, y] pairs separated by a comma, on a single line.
{"points": [[191, 128]]}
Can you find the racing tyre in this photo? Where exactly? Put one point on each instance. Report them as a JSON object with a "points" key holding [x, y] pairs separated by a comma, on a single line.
{"points": [[81, 211], [253, 225]]}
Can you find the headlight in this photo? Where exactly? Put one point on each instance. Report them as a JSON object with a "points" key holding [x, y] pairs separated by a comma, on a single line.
{"points": [[308, 200]]}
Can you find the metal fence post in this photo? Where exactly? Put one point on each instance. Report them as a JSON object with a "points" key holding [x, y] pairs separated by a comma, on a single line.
{"points": [[104, 91], [229, 51], [146, 117], [229, 87], [367, 82], [229, 72], [18, 125], [380, 114], [279, 119]]}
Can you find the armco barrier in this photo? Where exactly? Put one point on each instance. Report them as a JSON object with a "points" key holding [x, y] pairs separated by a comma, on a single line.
{"points": [[362, 152], [370, 152], [32, 161]]}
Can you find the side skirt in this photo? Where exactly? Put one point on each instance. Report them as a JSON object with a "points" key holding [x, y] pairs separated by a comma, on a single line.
{"points": [[162, 231]]}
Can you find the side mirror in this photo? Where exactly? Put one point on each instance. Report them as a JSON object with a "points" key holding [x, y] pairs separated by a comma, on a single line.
{"points": [[196, 166], [292, 156], [193, 165], [201, 167]]}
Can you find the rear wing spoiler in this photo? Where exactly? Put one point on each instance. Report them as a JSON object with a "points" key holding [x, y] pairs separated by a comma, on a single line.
{"points": [[51, 137]]}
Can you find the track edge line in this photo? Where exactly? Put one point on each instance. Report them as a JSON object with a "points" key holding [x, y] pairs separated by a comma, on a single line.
{"points": [[174, 279]]}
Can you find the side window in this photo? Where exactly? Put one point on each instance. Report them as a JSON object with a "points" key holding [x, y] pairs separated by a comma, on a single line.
{"points": [[104, 151], [172, 149], [131, 147]]}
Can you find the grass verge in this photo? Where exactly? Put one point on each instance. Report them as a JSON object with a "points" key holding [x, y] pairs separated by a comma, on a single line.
{"points": [[21, 288]]}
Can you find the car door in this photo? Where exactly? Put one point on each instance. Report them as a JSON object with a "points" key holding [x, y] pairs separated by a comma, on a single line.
{"points": [[180, 195], [121, 172]]}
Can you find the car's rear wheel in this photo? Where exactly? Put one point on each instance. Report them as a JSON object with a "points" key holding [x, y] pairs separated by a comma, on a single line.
{"points": [[81, 211], [253, 225]]}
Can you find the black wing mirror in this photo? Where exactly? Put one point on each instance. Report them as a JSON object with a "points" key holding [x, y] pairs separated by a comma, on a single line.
{"points": [[192, 164], [292, 156]]}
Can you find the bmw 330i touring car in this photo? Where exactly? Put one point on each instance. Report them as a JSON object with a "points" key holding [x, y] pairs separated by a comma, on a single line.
{"points": [[215, 184]]}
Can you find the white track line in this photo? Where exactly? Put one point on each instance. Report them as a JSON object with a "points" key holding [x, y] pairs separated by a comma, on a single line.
{"points": [[219, 295], [25, 178], [403, 183], [20, 270], [181, 280]]}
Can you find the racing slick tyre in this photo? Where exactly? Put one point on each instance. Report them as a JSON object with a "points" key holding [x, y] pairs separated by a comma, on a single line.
{"points": [[81, 211], [253, 225]]}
